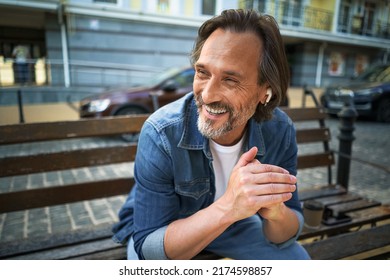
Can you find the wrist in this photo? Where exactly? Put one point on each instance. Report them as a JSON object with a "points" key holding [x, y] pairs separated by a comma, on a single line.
{"points": [[275, 213], [224, 213]]}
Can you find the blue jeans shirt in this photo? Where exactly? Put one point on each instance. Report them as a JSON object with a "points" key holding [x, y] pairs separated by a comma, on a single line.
{"points": [[174, 174]]}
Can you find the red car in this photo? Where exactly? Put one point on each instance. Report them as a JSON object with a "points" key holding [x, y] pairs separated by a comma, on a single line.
{"points": [[163, 89]]}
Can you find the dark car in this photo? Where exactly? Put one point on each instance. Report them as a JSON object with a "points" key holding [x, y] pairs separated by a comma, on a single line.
{"points": [[369, 92], [161, 90]]}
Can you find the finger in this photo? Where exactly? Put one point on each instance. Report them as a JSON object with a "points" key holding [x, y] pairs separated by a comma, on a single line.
{"points": [[273, 177], [265, 168], [263, 178], [268, 189], [247, 157], [267, 200], [255, 162]]}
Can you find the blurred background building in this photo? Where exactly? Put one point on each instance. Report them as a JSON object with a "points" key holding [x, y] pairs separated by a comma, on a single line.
{"points": [[60, 48]]}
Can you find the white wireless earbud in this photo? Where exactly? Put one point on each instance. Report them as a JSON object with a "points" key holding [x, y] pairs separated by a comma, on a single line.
{"points": [[269, 95]]}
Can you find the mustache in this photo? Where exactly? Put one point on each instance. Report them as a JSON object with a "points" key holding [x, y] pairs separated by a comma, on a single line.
{"points": [[214, 105]]}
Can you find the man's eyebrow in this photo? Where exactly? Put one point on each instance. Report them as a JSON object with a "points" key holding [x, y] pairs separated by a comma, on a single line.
{"points": [[233, 73], [200, 65], [226, 72]]}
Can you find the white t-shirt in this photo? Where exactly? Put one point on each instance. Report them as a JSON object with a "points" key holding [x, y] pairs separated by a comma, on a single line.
{"points": [[224, 159]]}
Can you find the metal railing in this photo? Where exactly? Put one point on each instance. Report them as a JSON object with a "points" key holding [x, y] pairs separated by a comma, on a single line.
{"points": [[298, 16], [42, 72]]}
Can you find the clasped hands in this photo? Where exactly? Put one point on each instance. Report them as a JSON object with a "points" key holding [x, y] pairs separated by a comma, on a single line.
{"points": [[257, 188]]}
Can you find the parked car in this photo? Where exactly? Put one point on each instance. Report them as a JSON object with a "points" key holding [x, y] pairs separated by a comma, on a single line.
{"points": [[164, 88], [369, 92], [161, 90]]}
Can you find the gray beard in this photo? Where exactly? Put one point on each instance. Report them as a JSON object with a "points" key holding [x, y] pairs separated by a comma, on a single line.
{"points": [[207, 130]]}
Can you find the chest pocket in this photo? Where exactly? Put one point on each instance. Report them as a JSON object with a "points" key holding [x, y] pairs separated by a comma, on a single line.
{"points": [[193, 195]]}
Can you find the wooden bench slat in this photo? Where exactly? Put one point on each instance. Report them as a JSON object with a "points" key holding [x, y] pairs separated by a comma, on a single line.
{"points": [[313, 135], [315, 160], [305, 114], [331, 200], [34, 132], [354, 205], [359, 218], [20, 165], [349, 244], [46, 242], [113, 253], [83, 250], [56, 195], [321, 191], [80, 250]]}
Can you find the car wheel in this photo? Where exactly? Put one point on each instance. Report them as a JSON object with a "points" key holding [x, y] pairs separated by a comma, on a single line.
{"points": [[130, 137], [383, 112]]}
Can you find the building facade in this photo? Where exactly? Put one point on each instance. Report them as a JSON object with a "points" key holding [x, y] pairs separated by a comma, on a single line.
{"points": [[74, 48]]}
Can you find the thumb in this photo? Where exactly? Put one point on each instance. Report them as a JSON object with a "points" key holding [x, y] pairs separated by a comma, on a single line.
{"points": [[247, 157]]}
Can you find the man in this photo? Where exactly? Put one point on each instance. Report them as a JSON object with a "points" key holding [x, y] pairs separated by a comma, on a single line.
{"points": [[216, 169]]}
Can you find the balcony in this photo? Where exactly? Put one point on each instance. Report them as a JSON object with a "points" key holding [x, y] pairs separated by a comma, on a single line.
{"points": [[306, 18]]}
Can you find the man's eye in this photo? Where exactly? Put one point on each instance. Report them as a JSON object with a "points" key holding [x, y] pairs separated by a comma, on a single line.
{"points": [[201, 73], [231, 81]]}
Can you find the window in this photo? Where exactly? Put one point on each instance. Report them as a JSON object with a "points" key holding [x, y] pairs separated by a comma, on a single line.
{"points": [[344, 16], [163, 6], [208, 7], [258, 5], [368, 18], [106, 1], [291, 12]]}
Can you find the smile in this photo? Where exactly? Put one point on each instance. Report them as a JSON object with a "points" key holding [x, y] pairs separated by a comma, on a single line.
{"points": [[215, 111]]}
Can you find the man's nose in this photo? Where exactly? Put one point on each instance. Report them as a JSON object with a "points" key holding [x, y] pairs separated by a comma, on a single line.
{"points": [[211, 91]]}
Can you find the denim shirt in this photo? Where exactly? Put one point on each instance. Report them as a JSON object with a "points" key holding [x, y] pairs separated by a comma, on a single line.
{"points": [[174, 174]]}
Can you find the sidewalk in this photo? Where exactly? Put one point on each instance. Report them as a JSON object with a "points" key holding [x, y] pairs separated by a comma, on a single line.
{"points": [[38, 113]]}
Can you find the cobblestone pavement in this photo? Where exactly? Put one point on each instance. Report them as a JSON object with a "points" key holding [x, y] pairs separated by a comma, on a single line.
{"points": [[371, 144]]}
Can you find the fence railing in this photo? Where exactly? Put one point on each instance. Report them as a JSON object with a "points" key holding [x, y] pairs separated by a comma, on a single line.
{"points": [[292, 14], [41, 72]]}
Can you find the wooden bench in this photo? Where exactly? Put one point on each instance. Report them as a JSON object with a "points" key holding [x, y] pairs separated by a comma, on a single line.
{"points": [[88, 243], [96, 243], [348, 216]]}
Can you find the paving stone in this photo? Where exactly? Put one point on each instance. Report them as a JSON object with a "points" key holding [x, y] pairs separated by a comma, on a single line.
{"points": [[52, 178], [80, 215], [6, 184], [36, 180], [68, 176], [20, 183]]}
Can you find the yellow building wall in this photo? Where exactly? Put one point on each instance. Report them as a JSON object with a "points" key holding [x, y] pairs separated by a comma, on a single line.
{"points": [[135, 4], [189, 8], [319, 14], [328, 5]]}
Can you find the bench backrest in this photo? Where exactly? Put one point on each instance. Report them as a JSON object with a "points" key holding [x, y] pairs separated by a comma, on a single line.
{"points": [[88, 157], [64, 160], [316, 133]]}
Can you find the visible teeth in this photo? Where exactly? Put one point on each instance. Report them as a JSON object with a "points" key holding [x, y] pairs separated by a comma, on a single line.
{"points": [[215, 111]]}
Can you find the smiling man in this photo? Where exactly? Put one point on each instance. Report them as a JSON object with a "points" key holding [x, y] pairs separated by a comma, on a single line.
{"points": [[216, 169]]}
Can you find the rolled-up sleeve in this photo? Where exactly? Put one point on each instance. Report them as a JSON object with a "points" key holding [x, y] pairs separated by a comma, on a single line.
{"points": [[153, 246]]}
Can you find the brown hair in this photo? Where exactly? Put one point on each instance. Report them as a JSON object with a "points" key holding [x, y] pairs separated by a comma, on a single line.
{"points": [[273, 67]]}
